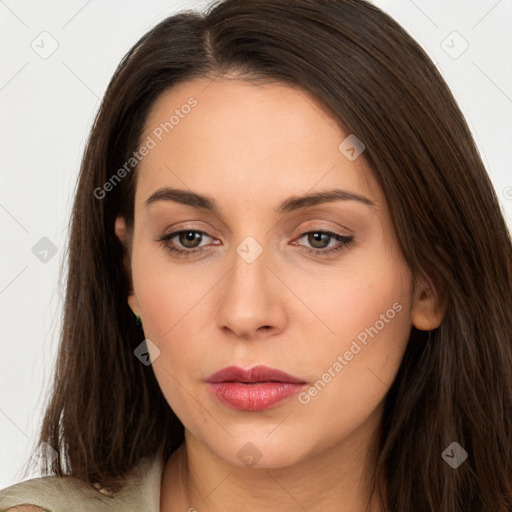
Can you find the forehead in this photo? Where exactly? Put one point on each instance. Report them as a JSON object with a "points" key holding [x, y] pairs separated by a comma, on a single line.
{"points": [[260, 141]]}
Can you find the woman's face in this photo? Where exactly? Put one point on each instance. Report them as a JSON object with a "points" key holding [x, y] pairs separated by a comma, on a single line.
{"points": [[248, 288]]}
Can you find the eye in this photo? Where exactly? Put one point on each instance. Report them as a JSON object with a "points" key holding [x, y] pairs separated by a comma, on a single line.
{"points": [[321, 239], [189, 239]]}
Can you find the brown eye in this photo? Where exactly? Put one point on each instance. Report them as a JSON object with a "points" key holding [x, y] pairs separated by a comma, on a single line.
{"points": [[185, 242], [190, 239], [319, 240]]}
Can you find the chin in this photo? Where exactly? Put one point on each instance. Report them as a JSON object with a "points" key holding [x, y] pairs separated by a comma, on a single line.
{"points": [[261, 452]]}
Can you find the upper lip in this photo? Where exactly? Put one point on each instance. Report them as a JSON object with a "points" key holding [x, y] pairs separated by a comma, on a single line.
{"points": [[258, 373]]}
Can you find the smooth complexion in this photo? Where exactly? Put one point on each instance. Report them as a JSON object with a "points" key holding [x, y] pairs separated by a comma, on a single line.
{"points": [[250, 148]]}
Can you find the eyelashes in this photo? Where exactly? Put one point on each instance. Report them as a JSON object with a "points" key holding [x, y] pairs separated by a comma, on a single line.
{"points": [[344, 242]]}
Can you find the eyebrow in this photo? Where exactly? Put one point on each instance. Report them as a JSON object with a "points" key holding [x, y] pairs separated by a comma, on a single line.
{"points": [[291, 204]]}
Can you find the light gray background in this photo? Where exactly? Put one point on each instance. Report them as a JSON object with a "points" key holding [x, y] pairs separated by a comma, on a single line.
{"points": [[47, 107]]}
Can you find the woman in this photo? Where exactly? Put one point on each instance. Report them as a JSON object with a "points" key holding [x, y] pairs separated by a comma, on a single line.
{"points": [[289, 279]]}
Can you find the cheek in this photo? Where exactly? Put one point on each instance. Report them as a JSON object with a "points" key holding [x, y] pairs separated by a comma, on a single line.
{"points": [[366, 299], [173, 301], [350, 376], [169, 304], [167, 294]]}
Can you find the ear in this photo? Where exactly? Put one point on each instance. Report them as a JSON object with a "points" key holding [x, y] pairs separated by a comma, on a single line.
{"points": [[428, 306], [122, 234]]}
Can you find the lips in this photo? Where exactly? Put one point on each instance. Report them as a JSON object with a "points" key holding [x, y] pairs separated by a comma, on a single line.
{"points": [[255, 389], [252, 375]]}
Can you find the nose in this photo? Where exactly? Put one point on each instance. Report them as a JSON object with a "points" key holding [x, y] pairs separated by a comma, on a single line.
{"points": [[251, 300]]}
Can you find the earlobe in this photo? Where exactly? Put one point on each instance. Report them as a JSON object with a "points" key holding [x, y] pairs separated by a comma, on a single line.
{"points": [[121, 233], [120, 229], [428, 307], [132, 302]]}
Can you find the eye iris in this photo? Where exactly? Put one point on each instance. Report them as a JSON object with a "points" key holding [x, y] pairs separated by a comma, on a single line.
{"points": [[314, 238], [186, 237]]}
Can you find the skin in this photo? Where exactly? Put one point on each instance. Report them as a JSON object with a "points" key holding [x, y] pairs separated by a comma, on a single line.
{"points": [[250, 147]]}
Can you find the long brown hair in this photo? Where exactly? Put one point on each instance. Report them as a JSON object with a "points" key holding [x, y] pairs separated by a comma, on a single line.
{"points": [[106, 411]]}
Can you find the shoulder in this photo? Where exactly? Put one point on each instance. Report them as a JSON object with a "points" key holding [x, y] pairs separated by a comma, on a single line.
{"points": [[50, 494], [140, 493]]}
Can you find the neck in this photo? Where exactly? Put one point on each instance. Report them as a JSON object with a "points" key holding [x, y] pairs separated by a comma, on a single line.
{"points": [[332, 480]]}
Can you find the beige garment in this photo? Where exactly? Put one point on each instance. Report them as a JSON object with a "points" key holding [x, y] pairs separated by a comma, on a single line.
{"points": [[67, 494]]}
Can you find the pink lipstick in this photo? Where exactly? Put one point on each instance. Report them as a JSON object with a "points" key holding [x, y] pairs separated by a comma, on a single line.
{"points": [[255, 389]]}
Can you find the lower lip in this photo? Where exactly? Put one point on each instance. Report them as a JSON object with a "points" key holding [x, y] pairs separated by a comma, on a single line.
{"points": [[253, 397]]}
